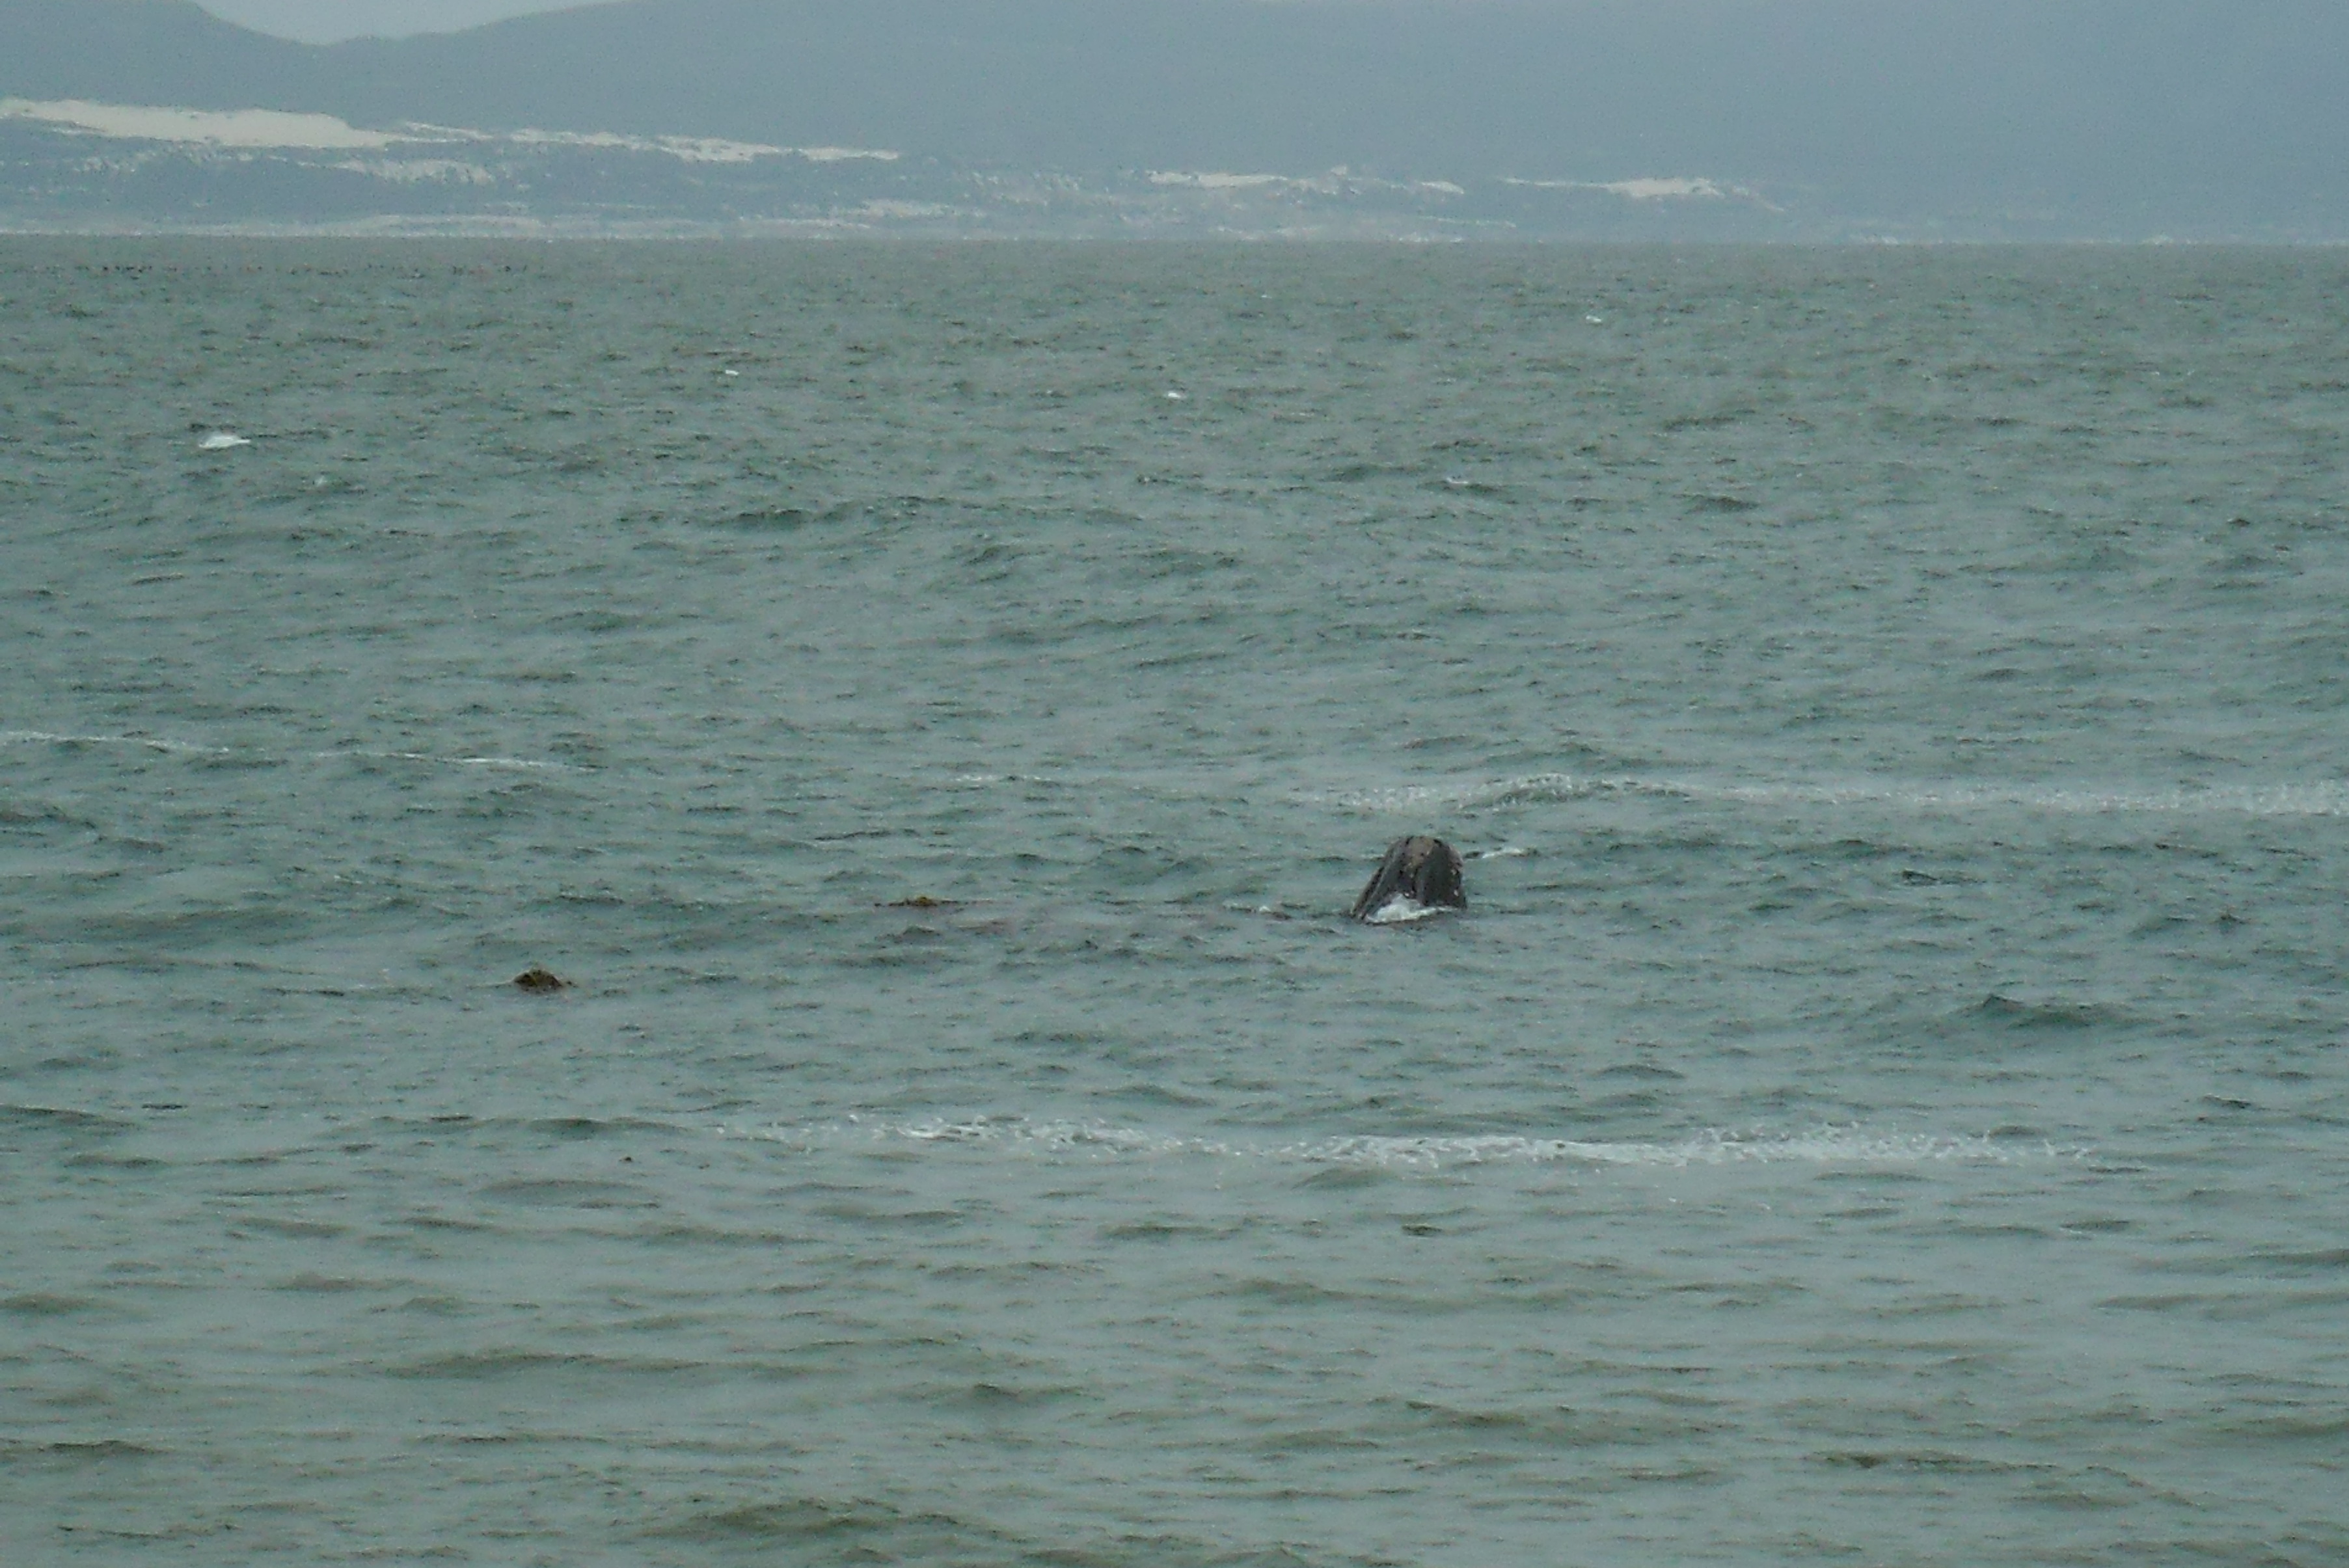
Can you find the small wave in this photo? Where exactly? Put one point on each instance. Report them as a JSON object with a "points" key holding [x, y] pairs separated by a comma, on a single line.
{"points": [[483, 1366], [1830, 1145], [149, 742], [569, 1192], [61, 1116], [97, 1451], [852, 1529], [2019, 1013], [188, 748], [46, 1304], [2325, 798]]}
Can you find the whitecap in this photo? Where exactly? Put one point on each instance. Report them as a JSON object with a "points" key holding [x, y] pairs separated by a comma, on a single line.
{"points": [[503, 762], [221, 441]]}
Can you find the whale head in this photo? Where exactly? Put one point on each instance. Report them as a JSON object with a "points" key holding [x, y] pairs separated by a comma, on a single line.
{"points": [[1423, 870]]}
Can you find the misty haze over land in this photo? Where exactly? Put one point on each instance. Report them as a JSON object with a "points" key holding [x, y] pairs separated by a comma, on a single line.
{"points": [[2110, 120]]}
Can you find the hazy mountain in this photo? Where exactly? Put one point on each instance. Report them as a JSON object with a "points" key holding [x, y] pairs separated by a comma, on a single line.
{"points": [[2120, 118], [329, 21], [147, 51]]}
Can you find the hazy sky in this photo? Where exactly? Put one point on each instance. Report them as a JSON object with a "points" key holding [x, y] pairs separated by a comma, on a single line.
{"points": [[324, 21]]}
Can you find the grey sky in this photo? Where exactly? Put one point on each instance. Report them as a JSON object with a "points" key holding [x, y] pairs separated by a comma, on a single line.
{"points": [[326, 21]]}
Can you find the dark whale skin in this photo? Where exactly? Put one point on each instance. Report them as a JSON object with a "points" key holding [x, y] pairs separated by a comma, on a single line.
{"points": [[1426, 868]]}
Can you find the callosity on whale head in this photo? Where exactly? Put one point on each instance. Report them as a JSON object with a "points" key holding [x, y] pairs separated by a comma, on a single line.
{"points": [[1420, 869]]}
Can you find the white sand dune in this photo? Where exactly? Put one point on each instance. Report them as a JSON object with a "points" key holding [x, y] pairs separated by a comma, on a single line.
{"points": [[262, 128], [256, 128]]}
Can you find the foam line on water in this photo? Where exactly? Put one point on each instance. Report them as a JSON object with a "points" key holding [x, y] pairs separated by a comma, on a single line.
{"points": [[147, 742], [2328, 797], [1831, 1145], [188, 748]]}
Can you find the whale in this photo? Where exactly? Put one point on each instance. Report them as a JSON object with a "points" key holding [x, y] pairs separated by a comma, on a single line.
{"points": [[1424, 870]]}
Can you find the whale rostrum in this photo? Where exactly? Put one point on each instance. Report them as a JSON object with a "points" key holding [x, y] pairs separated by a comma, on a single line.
{"points": [[1424, 870]]}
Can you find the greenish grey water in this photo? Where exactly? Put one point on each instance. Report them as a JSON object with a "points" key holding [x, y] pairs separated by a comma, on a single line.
{"points": [[1885, 1102]]}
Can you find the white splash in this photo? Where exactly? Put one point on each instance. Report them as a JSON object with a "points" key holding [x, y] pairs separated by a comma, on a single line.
{"points": [[1401, 909], [221, 441]]}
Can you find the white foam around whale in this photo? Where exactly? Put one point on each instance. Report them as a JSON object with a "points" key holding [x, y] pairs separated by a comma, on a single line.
{"points": [[1400, 910]]}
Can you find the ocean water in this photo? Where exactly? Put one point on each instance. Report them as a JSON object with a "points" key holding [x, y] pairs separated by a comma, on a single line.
{"points": [[1885, 1103]]}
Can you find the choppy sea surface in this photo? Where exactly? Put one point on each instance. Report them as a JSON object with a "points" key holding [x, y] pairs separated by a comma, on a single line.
{"points": [[1885, 1103]]}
